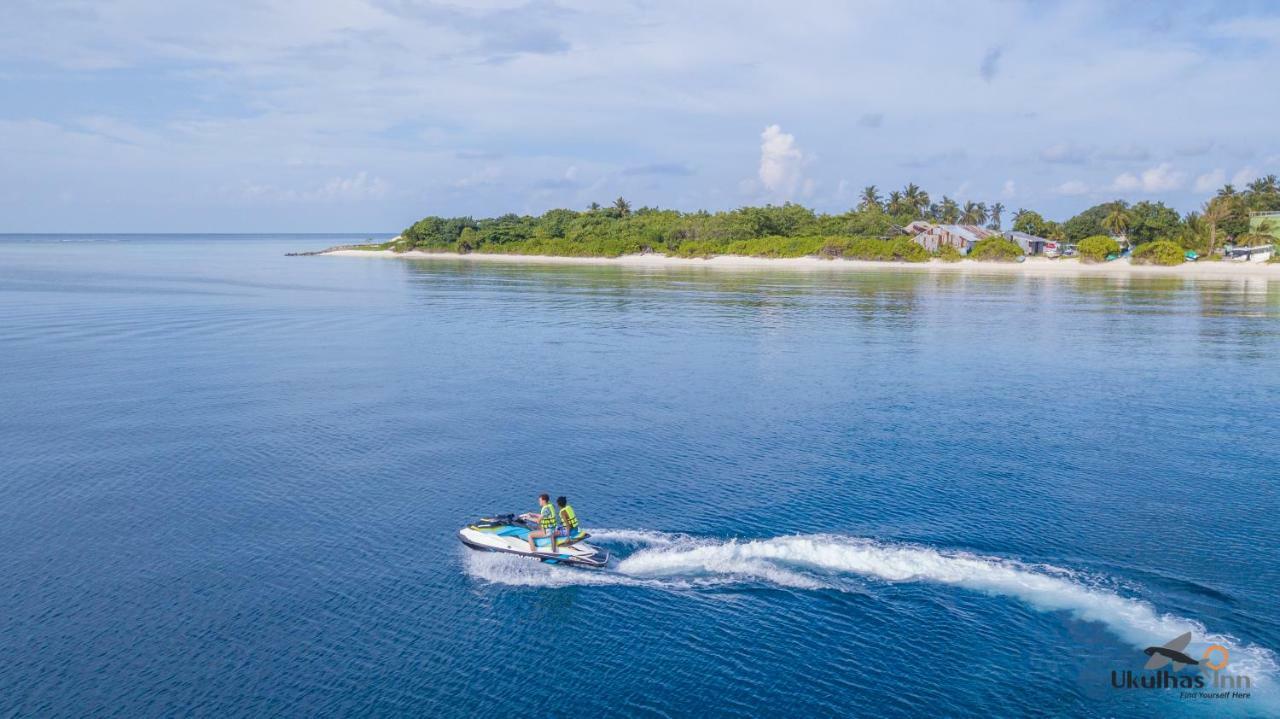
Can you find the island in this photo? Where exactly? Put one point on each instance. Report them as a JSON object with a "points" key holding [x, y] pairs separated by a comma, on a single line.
{"points": [[1236, 231]]}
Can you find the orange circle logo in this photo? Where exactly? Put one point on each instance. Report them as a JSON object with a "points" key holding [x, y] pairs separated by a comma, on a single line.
{"points": [[1209, 652]]}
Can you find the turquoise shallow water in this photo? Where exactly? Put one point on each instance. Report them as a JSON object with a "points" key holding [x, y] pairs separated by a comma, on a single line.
{"points": [[231, 482]]}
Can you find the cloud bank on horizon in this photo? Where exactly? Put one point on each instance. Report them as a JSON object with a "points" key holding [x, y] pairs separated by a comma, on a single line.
{"points": [[332, 115]]}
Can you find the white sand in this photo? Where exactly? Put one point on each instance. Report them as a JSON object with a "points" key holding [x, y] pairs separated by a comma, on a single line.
{"points": [[1032, 266]]}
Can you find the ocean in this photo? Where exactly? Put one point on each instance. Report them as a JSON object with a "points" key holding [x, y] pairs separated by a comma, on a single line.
{"points": [[232, 481]]}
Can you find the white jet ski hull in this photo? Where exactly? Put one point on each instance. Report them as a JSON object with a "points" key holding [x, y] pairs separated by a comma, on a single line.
{"points": [[511, 535]]}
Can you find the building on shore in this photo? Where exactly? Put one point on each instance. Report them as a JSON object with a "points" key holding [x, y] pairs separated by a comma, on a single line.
{"points": [[933, 237], [1030, 244], [1265, 223]]}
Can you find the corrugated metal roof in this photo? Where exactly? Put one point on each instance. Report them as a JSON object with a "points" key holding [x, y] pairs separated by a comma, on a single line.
{"points": [[972, 233], [1025, 237]]}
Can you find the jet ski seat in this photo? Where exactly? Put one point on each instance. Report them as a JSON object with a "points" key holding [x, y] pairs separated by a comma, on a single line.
{"points": [[560, 541]]}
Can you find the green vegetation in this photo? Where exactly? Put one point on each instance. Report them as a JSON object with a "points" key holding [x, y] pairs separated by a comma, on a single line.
{"points": [[948, 253], [1266, 226], [771, 231], [1030, 222], [897, 250], [995, 249], [874, 230], [1096, 248], [1160, 252]]}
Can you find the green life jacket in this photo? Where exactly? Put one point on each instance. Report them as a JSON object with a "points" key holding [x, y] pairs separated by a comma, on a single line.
{"points": [[569, 518], [547, 516]]}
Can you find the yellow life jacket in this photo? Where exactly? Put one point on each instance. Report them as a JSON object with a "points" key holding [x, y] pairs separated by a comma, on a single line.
{"points": [[547, 516], [569, 518]]}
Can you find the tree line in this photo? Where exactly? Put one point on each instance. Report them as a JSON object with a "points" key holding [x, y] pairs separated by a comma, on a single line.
{"points": [[791, 230]]}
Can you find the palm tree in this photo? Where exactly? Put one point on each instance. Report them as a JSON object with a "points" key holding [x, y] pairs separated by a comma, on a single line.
{"points": [[1215, 211], [593, 207], [621, 207], [949, 212], [1227, 190], [1263, 185], [915, 199], [1264, 194], [996, 210], [1118, 221], [975, 213], [895, 203], [870, 198]]}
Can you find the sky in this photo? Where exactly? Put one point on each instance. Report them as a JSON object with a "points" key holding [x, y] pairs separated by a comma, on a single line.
{"points": [[365, 115]]}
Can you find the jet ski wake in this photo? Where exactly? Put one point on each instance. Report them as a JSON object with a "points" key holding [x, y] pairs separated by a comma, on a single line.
{"points": [[678, 562]]}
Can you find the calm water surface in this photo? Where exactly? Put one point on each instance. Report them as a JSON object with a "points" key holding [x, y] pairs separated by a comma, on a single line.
{"points": [[231, 483]]}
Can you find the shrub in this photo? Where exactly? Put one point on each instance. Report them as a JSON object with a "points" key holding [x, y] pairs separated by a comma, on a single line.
{"points": [[948, 253], [835, 247], [564, 247], [866, 248], [996, 249], [1194, 241], [697, 248], [908, 250], [1096, 248], [777, 246], [1160, 252], [468, 240]]}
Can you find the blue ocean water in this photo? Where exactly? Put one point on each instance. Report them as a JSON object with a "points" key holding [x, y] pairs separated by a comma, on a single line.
{"points": [[231, 483]]}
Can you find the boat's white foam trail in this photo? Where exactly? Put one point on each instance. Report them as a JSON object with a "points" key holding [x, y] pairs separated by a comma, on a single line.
{"points": [[671, 561], [640, 536], [521, 572], [1043, 587]]}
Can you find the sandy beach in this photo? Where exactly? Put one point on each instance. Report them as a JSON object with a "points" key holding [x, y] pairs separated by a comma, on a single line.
{"points": [[1039, 266]]}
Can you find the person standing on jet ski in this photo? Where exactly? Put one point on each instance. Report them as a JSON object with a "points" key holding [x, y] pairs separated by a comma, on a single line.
{"points": [[546, 523], [568, 518]]}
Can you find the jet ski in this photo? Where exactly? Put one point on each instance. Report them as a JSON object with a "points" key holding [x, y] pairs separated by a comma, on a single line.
{"points": [[510, 533]]}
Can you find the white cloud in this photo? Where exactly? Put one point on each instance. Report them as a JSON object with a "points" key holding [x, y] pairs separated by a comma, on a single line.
{"points": [[299, 96], [1210, 181], [1161, 178], [1128, 182], [781, 162], [1244, 176], [360, 186], [1066, 153], [1010, 189], [1072, 187], [357, 187], [478, 178]]}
